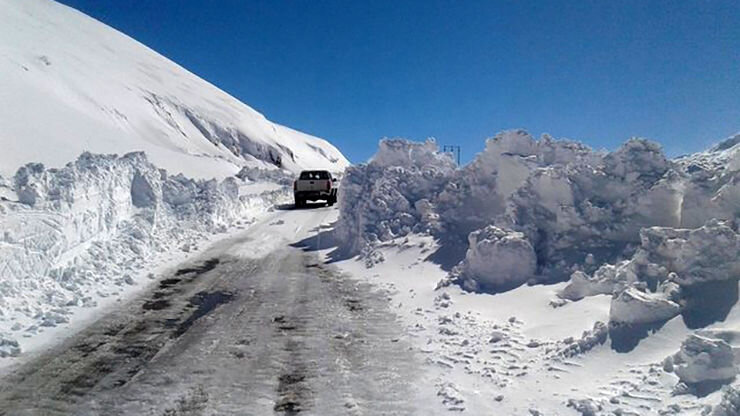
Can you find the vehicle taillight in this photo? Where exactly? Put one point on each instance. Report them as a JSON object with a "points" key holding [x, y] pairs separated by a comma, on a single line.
{"points": [[328, 185], [295, 185]]}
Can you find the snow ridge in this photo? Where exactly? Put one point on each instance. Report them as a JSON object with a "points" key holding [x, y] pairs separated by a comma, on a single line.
{"points": [[88, 230]]}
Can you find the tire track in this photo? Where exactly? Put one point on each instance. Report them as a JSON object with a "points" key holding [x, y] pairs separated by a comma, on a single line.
{"points": [[230, 336]]}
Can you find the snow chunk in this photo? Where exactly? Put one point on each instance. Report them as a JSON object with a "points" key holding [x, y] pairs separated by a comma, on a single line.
{"points": [[703, 359], [633, 306], [9, 347], [637, 159], [607, 279], [497, 259], [143, 192], [586, 407], [711, 252], [451, 397]]}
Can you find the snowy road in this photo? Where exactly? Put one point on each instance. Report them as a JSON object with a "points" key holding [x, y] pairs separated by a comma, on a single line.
{"points": [[251, 326]]}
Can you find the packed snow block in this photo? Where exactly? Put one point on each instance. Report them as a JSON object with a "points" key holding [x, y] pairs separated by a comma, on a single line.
{"points": [[143, 193], [635, 313], [703, 359], [633, 306], [179, 190], [585, 407], [229, 187], [707, 253], [497, 259], [28, 190], [606, 280]]}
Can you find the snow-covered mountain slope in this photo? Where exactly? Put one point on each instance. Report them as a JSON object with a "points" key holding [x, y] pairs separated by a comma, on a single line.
{"points": [[69, 84]]}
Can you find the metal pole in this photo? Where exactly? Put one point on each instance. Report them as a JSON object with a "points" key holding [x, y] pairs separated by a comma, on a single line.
{"points": [[454, 149]]}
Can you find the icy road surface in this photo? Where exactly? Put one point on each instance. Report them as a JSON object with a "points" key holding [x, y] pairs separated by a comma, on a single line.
{"points": [[253, 326]]}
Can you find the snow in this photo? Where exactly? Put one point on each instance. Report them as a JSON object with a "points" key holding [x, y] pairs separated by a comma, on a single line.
{"points": [[195, 163], [730, 405], [548, 278], [90, 230], [704, 359], [571, 203], [633, 306], [544, 277], [72, 84], [507, 253], [509, 352], [699, 255]]}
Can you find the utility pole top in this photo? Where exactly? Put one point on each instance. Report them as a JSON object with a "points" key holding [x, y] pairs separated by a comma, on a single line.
{"points": [[453, 149]]}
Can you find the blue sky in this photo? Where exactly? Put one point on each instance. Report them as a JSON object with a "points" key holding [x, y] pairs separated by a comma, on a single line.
{"points": [[460, 71]]}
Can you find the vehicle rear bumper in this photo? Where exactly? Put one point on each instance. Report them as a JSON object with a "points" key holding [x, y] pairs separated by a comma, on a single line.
{"points": [[314, 195]]}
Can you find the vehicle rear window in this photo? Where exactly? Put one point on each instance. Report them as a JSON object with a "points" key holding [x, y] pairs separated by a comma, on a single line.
{"points": [[315, 174]]}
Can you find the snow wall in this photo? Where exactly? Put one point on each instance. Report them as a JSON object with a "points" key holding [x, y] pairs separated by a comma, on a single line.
{"points": [[73, 235], [660, 235]]}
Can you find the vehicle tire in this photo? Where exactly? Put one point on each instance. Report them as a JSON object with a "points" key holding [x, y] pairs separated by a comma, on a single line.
{"points": [[299, 203], [332, 200]]}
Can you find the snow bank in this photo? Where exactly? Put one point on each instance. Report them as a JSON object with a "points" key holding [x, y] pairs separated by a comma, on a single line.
{"points": [[84, 231], [585, 213]]}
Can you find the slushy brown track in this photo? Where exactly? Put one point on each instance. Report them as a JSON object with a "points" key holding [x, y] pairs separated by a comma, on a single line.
{"points": [[284, 334]]}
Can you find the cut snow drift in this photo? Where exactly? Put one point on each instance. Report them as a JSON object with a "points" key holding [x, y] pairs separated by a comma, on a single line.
{"points": [[659, 235], [644, 253], [87, 230], [579, 209]]}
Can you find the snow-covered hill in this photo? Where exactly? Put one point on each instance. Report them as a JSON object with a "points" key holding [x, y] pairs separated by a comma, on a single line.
{"points": [[69, 84]]}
